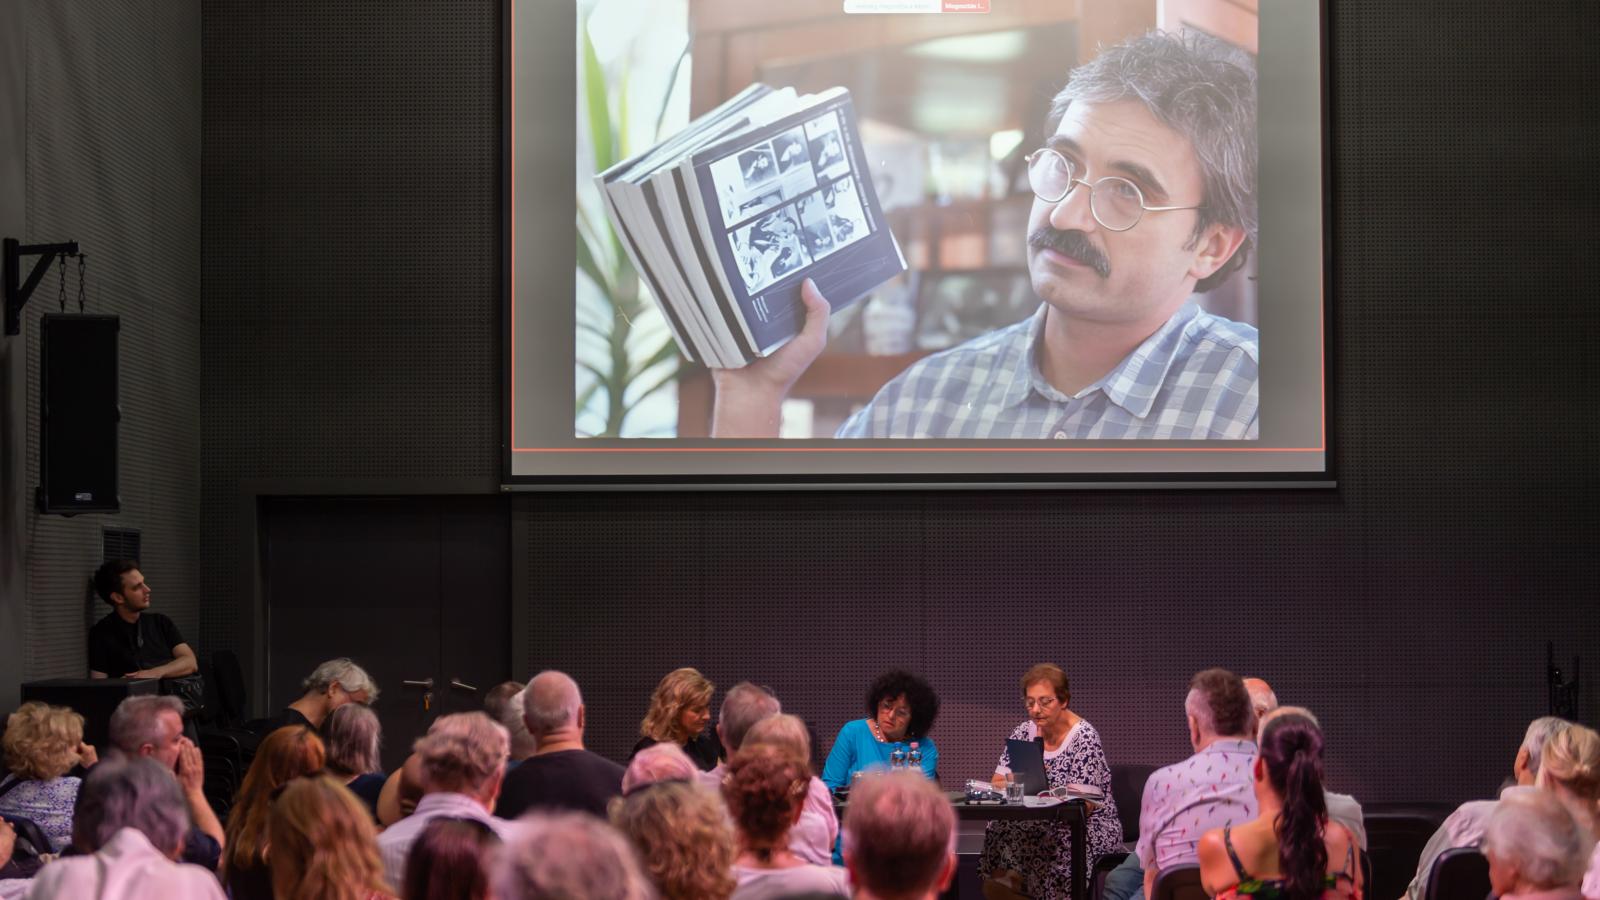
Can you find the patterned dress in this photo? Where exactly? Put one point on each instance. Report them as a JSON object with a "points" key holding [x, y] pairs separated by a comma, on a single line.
{"points": [[48, 804], [1042, 851]]}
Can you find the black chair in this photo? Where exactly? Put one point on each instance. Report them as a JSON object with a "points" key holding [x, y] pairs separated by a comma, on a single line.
{"points": [[227, 679], [1102, 868], [1127, 788], [1180, 883], [1396, 834], [1460, 873]]}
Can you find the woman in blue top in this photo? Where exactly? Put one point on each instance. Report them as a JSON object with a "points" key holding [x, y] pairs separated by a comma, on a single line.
{"points": [[900, 709]]}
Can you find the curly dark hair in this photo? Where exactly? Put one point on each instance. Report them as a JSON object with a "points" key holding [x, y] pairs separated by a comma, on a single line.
{"points": [[919, 695], [108, 578]]}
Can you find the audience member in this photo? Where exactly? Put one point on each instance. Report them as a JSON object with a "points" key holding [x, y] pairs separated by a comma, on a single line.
{"points": [[680, 710], [766, 791], [328, 687], [812, 838], [561, 774], [1464, 827], [290, 752], [131, 822], [681, 832], [743, 705], [655, 764], [504, 705], [463, 761], [450, 861], [1291, 848], [1536, 849], [900, 836], [1570, 769], [152, 727], [1262, 698], [351, 734], [1036, 857], [566, 856], [1342, 808], [323, 844], [42, 743], [901, 708], [131, 641], [400, 793]]}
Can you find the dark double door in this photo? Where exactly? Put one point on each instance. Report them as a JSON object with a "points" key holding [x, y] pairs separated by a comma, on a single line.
{"points": [[414, 589]]}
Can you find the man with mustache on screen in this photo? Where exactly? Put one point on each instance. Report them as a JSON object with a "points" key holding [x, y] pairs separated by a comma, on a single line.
{"points": [[1144, 196]]}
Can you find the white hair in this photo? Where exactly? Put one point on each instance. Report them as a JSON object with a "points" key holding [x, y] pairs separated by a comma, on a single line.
{"points": [[1540, 730], [551, 701], [129, 792], [562, 855], [1533, 831], [743, 706], [523, 743], [343, 672]]}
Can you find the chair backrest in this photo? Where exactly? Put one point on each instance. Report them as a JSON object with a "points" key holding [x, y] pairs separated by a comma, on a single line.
{"points": [[1460, 873], [1180, 883], [1127, 788], [1395, 838], [228, 677]]}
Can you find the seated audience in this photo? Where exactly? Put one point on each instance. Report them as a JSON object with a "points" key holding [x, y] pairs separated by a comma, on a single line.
{"points": [[900, 709], [1570, 769], [1035, 858], [131, 641], [900, 836], [450, 860], [352, 736], [462, 760], [766, 792], [1464, 827], [323, 844], [743, 705], [400, 793], [561, 774], [1342, 808], [680, 710], [1535, 848], [131, 822], [561, 856], [288, 753], [42, 743], [681, 832], [1291, 848], [328, 687], [655, 764], [504, 705], [813, 837], [152, 727]]}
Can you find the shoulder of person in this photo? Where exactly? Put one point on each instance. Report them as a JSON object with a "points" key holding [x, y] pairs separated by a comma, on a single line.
{"points": [[1207, 328]]}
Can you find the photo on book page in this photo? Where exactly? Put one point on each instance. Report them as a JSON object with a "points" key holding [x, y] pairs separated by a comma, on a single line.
{"points": [[759, 145]]}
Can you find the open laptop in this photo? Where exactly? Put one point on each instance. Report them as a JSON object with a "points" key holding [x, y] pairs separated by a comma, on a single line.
{"points": [[1027, 763]]}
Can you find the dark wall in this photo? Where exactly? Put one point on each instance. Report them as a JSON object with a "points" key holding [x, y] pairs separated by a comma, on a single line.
{"points": [[352, 318]]}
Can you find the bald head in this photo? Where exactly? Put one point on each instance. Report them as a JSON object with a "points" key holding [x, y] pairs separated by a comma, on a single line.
{"points": [[1262, 699], [551, 703]]}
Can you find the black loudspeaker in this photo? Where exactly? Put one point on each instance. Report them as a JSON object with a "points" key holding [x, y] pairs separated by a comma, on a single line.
{"points": [[78, 414]]}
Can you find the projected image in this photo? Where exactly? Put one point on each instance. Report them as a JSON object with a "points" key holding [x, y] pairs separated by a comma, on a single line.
{"points": [[1120, 275]]}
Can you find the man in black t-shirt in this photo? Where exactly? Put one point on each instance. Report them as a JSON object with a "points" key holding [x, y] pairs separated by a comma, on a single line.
{"points": [[561, 774], [131, 642]]}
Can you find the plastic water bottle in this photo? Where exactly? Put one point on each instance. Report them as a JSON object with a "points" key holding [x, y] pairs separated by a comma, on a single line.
{"points": [[897, 758], [914, 758]]}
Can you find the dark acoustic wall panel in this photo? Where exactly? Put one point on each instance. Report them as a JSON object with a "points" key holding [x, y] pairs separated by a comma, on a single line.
{"points": [[352, 331], [113, 162], [352, 261]]}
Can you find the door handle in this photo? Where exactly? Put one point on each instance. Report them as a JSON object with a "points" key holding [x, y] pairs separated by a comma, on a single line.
{"points": [[461, 685], [426, 683]]}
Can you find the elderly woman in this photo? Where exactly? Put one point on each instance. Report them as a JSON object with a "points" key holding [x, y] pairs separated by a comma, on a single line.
{"points": [[131, 823], [680, 711], [766, 792], [1570, 769], [42, 743], [351, 737], [1535, 848], [1292, 848], [900, 709], [1035, 858], [681, 831], [813, 837]]}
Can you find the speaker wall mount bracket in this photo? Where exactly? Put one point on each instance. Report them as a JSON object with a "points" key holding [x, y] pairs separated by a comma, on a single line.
{"points": [[17, 290]]}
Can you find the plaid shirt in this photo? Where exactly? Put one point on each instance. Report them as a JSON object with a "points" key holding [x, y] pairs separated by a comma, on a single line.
{"points": [[1194, 379]]}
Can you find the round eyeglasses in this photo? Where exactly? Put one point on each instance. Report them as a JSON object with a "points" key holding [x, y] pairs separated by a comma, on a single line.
{"points": [[1115, 202]]}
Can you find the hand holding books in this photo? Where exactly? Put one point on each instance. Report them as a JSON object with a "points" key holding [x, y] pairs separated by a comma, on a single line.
{"points": [[749, 401]]}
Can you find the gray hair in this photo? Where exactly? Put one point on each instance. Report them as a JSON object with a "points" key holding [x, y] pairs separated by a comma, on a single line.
{"points": [[343, 672], [550, 702], [523, 743], [462, 752], [129, 792], [1539, 731], [1534, 831], [568, 855], [137, 721], [351, 735], [1205, 90], [744, 705], [656, 763]]}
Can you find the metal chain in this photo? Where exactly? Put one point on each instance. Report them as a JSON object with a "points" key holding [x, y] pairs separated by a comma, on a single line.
{"points": [[63, 294], [83, 263]]}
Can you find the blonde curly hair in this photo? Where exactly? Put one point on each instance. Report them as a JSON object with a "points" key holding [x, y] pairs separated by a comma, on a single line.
{"points": [[684, 839], [681, 689], [41, 741]]}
